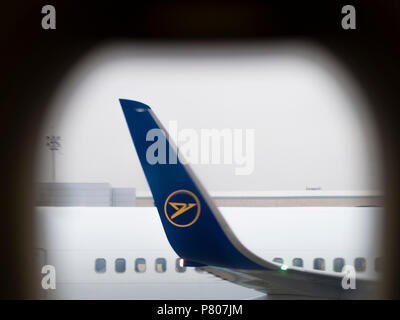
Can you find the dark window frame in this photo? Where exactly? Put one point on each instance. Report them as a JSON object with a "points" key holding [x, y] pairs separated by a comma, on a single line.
{"points": [[178, 268], [294, 264], [364, 264], [137, 263], [116, 265], [335, 269], [278, 260], [164, 264], [321, 266], [101, 270]]}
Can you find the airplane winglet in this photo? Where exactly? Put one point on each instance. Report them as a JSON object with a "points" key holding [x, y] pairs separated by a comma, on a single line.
{"points": [[125, 103], [193, 224]]}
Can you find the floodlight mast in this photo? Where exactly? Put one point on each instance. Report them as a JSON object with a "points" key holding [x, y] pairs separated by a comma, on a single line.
{"points": [[53, 144]]}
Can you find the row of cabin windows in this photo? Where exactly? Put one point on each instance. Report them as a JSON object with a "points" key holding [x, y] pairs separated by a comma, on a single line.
{"points": [[100, 265], [360, 264]]}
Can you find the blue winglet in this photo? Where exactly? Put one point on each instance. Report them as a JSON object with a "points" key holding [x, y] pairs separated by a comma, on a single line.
{"points": [[194, 226]]}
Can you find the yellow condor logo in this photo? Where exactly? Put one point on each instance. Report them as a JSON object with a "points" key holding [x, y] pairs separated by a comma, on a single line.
{"points": [[174, 209]]}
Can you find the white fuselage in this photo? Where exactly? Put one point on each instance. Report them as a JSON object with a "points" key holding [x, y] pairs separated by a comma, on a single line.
{"points": [[72, 238]]}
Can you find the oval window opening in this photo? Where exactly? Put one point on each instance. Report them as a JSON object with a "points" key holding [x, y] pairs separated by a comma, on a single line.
{"points": [[269, 130]]}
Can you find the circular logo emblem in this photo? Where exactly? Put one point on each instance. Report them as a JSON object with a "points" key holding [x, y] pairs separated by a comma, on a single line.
{"points": [[182, 208]]}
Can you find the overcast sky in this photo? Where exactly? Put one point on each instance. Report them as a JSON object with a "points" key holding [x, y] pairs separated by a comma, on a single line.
{"points": [[309, 120]]}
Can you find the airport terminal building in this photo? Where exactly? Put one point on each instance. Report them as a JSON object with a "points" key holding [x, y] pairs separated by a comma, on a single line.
{"points": [[104, 195]]}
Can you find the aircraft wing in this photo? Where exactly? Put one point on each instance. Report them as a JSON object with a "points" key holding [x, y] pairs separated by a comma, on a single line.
{"points": [[198, 232], [295, 284]]}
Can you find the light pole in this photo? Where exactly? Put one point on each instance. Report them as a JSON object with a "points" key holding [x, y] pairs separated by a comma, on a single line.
{"points": [[53, 143]]}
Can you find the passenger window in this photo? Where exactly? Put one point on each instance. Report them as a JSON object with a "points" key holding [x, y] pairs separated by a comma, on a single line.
{"points": [[378, 264], [319, 264], [161, 265], [100, 265], [120, 265], [360, 264], [140, 265], [278, 260], [179, 266], [338, 264], [298, 262]]}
